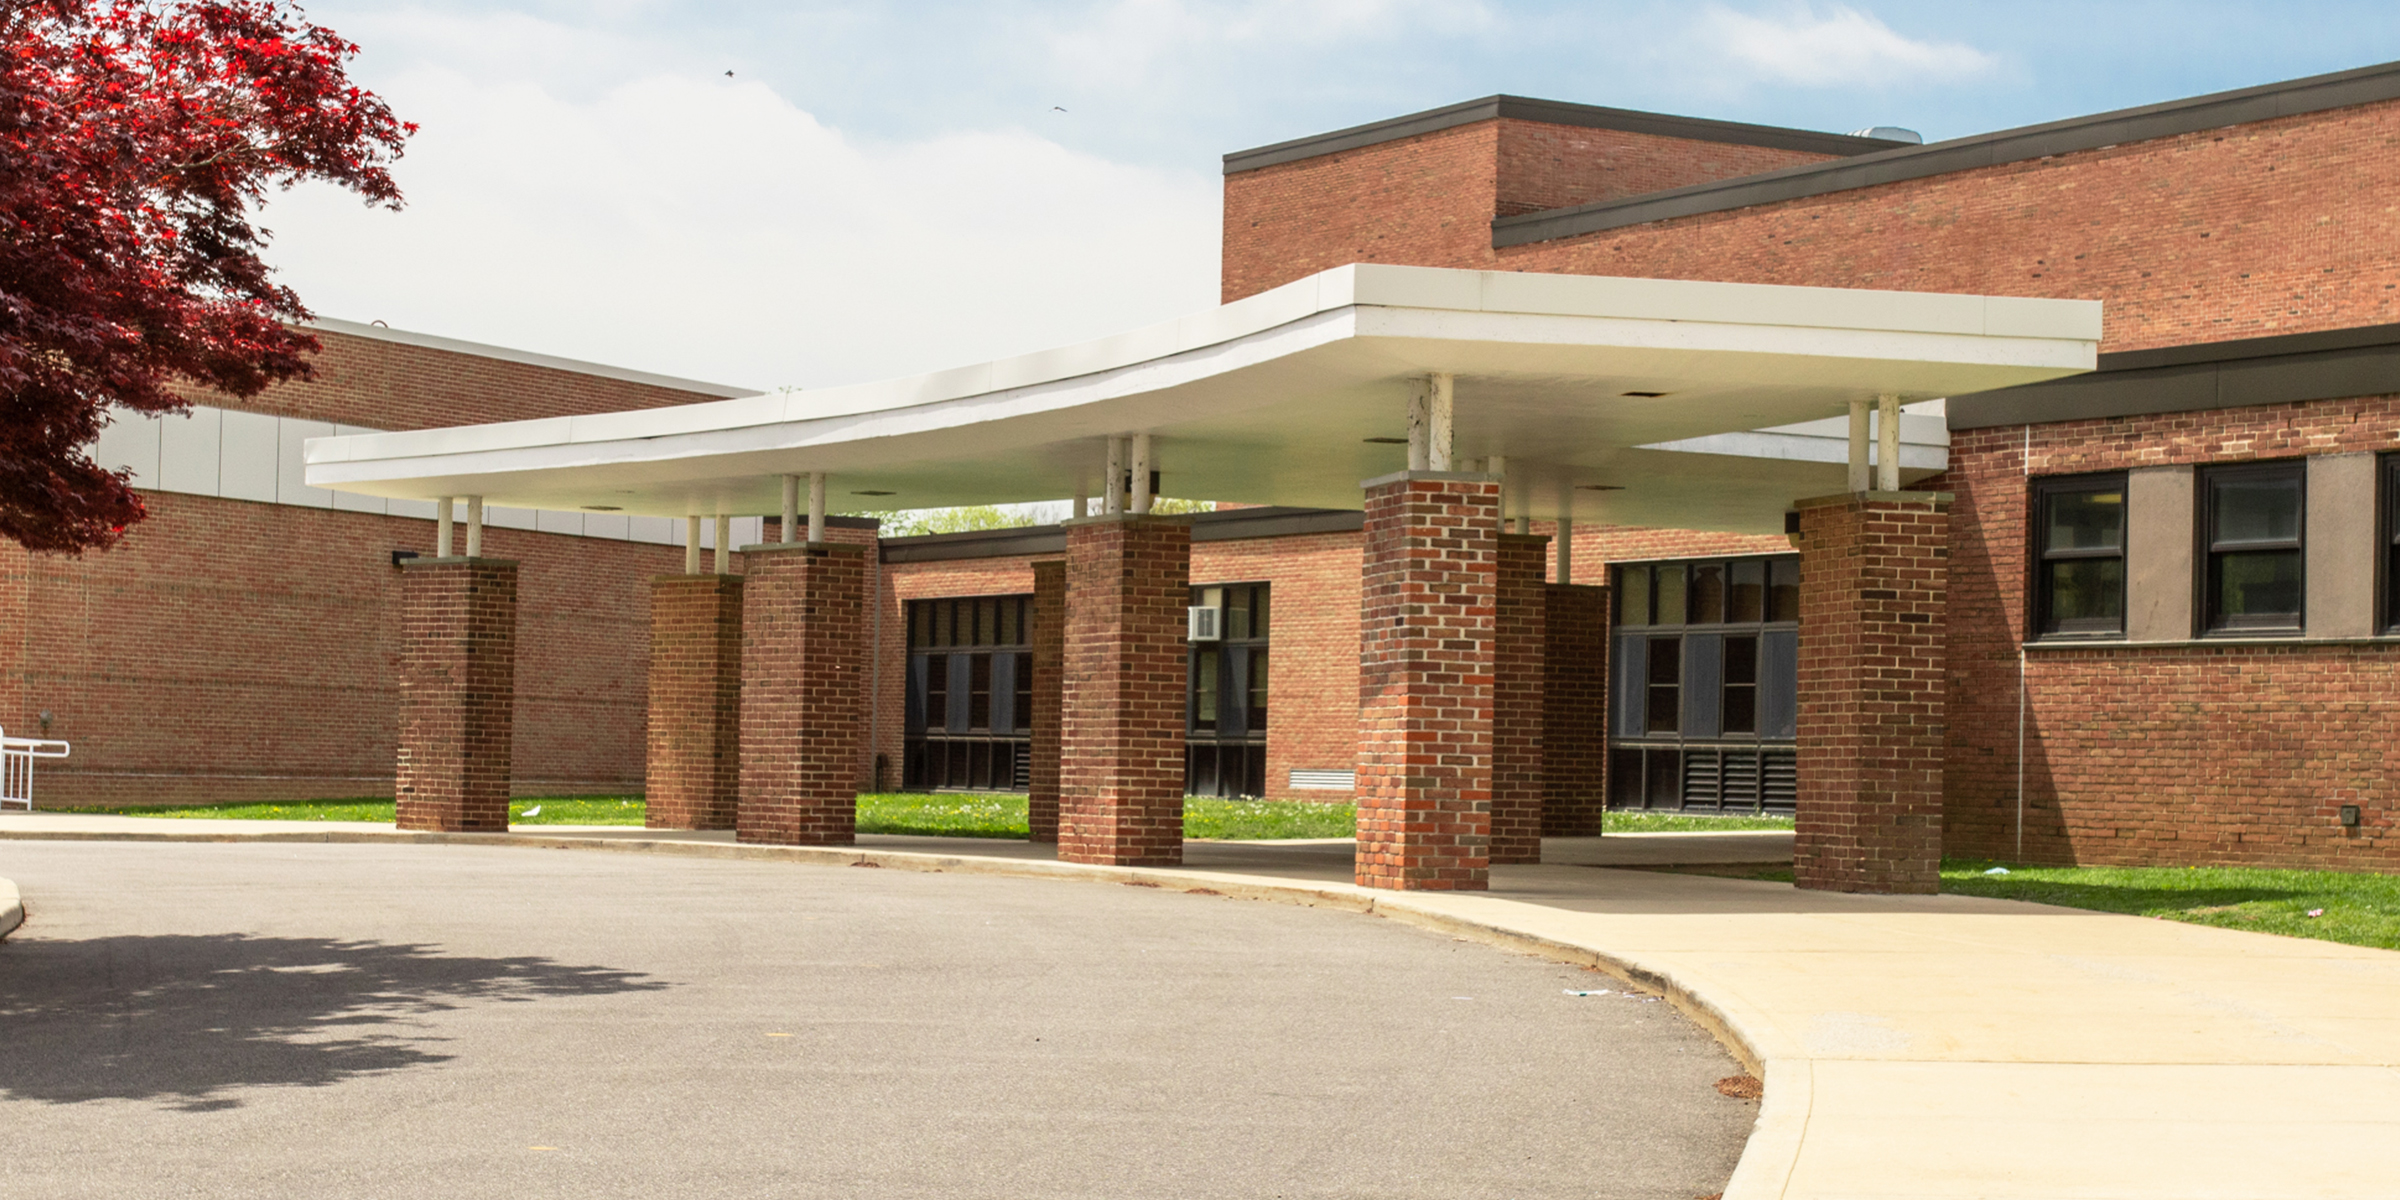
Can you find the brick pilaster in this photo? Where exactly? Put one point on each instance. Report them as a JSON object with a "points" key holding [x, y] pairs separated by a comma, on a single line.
{"points": [[804, 704], [1425, 681], [458, 693], [1575, 711], [1874, 571], [1519, 644], [1049, 666], [1128, 582], [693, 768]]}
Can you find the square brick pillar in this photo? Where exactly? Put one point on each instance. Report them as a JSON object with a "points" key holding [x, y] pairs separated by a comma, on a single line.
{"points": [[458, 693], [1049, 667], [1128, 582], [1427, 615], [804, 699], [694, 765], [1575, 711], [1519, 645], [1874, 570]]}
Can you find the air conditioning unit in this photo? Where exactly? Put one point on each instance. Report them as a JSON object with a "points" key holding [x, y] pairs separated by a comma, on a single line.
{"points": [[1204, 623]]}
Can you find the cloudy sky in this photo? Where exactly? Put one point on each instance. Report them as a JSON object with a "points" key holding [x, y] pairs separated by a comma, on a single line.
{"points": [[884, 188]]}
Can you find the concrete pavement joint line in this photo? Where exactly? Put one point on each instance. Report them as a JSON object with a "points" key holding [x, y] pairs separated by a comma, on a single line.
{"points": [[1775, 1141]]}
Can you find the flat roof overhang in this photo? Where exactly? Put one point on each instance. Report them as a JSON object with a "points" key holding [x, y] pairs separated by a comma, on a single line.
{"points": [[1281, 398]]}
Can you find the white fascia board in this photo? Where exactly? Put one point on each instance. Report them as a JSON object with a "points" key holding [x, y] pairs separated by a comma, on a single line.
{"points": [[1798, 448]]}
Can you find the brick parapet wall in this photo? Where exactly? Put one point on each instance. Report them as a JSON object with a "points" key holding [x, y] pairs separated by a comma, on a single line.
{"points": [[1873, 580], [1575, 710], [1427, 614], [1049, 698], [1520, 646], [1429, 200], [231, 651], [804, 704], [2165, 754], [693, 768], [1122, 748], [2275, 226], [393, 385], [458, 664]]}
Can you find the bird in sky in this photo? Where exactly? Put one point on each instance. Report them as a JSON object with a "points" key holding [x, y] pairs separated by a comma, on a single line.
{"points": [[728, 74], [1055, 108]]}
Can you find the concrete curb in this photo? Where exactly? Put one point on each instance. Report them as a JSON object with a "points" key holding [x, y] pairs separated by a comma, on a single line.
{"points": [[1767, 1159], [12, 908]]}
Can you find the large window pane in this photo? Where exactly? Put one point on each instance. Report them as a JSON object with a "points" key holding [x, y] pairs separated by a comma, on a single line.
{"points": [[2087, 594], [1258, 689], [1746, 599], [2086, 521], [1783, 590], [2258, 587], [1664, 707], [1740, 705], [2257, 510], [1204, 688], [1670, 594], [1708, 594], [1633, 596], [979, 691], [2079, 526]]}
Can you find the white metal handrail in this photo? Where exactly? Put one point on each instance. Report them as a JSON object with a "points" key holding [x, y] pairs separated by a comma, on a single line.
{"points": [[16, 767]]}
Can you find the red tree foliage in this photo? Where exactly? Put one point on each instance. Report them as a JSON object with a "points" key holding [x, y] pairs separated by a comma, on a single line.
{"points": [[136, 141]]}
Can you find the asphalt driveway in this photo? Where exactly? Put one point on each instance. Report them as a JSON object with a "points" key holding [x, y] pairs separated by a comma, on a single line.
{"points": [[367, 1021]]}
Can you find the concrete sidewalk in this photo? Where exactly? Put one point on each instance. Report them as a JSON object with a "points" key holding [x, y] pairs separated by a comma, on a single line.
{"points": [[1912, 1046]]}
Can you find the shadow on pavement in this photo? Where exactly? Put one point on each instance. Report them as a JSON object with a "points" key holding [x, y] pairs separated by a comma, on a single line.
{"points": [[185, 1019]]}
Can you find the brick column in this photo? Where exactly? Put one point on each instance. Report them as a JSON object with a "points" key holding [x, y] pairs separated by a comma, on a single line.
{"points": [[804, 704], [1873, 584], [694, 765], [1575, 711], [1425, 681], [1519, 644], [1049, 667], [458, 693], [1128, 581]]}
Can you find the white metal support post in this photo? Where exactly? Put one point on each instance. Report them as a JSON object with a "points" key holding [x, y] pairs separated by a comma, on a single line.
{"points": [[1438, 411], [791, 509], [1141, 472], [441, 527], [816, 507], [1566, 549], [724, 550], [1859, 475], [691, 545], [1112, 497], [1887, 443], [474, 527]]}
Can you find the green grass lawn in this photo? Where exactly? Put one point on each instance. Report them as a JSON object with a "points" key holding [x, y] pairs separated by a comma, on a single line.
{"points": [[1664, 822], [2360, 910]]}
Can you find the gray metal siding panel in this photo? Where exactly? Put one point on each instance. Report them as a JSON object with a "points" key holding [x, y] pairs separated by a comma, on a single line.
{"points": [[1779, 684], [1703, 684], [1631, 665]]}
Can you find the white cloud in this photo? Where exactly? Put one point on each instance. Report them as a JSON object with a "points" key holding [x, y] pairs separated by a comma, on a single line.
{"points": [[680, 221], [1835, 46], [1125, 41]]}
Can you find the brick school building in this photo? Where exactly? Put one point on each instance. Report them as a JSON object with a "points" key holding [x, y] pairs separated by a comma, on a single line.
{"points": [[2157, 620]]}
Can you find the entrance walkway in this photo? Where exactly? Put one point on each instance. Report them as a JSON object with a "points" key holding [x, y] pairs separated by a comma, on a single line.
{"points": [[1928, 1046]]}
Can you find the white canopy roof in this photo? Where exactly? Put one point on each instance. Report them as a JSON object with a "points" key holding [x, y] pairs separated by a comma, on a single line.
{"points": [[1276, 399]]}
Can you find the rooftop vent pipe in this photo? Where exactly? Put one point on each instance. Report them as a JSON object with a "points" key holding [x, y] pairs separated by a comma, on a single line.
{"points": [[1890, 133]]}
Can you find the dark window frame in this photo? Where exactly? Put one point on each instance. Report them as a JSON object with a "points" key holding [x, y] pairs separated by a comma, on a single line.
{"points": [[2388, 543], [2207, 551], [2041, 561]]}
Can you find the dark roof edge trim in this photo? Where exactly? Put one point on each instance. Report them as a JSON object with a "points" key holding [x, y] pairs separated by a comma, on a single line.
{"points": [[2317, 93], [2288, 368], [1554, 112], [1231, 525]]}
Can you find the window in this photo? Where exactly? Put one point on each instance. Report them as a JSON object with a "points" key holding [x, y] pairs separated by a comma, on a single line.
{"points": [[2251, 530], [1740, 706], [2391, 542], [2079, 571], [1225, 720], [1665, 708]]}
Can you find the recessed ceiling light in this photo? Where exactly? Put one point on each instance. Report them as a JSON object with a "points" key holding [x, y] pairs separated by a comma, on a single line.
{"points": [[1643, 395], [602, 508], [1598, 487], [1385, 441], [872, 492]]}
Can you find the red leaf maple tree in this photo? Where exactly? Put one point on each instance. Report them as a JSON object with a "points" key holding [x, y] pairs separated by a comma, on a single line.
{"points": [[137, 140]]}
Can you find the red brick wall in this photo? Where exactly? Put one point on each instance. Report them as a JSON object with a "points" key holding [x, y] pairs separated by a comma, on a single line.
{"points": [[391, 385], [1520, 649], [458, 661], [1049, 639], [1596, 546], [2278, 226], [804, 701], [1430, 200], [1575, 710], [694, 770], [1121, 736], [233, 651], [1874, 574], [2178, 754], [1425, 683]]}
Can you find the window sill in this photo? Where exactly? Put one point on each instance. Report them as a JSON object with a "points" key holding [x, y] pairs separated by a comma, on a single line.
{"points": [[2280, 639]]}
